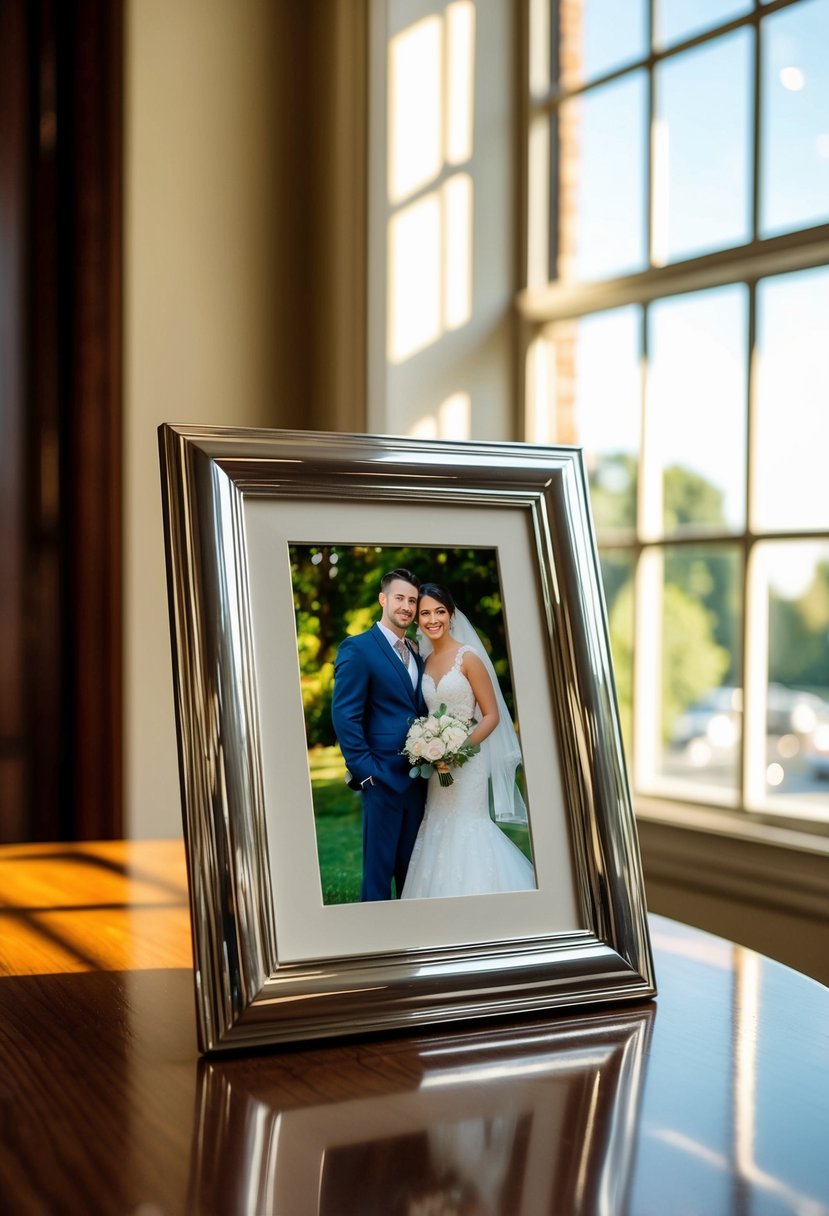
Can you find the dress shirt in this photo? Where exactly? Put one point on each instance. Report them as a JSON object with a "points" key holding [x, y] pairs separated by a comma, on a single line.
{"points": [[392, 638]]}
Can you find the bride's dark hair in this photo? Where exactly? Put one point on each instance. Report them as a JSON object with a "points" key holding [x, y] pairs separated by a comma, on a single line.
{"points": [[436, 592]]}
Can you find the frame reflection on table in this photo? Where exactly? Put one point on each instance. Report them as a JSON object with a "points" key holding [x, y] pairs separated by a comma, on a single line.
{"points": [[539, 1119]]}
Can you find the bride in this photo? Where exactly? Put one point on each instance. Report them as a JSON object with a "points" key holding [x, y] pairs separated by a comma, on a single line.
{"points": [[459, 850]]}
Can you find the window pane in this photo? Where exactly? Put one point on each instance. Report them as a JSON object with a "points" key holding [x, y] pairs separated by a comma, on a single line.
{"points": [[791, 422], [695, 429], [678, 19], [702, 141], [794, 185], [597, 36], [794, 579], [695, 608], [601, 181], [617, 578], [601, 368]]}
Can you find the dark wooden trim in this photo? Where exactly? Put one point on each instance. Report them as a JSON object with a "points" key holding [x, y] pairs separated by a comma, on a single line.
{"points": [[92, 323], [60, 418], [48, 741], [13, 243]]}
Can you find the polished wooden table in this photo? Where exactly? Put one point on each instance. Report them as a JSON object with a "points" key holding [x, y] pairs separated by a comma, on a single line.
{"points": [[714, 1098]]}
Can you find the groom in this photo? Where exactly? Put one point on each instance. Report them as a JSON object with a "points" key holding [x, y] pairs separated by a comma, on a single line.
{"points": [[377, 692]]}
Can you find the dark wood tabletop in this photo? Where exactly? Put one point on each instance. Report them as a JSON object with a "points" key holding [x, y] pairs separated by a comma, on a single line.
{"points": [[714, 1098]]}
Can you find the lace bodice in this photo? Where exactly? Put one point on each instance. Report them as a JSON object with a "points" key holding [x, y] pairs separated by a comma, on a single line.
{"points": [[452, 690]]}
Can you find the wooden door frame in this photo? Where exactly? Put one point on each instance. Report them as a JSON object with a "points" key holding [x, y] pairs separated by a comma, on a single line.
{"points": [[61, 74], [93, 324], [13, 242]]}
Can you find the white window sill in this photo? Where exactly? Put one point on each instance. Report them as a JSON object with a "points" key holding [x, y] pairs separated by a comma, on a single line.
{"points": [[735, 857]]}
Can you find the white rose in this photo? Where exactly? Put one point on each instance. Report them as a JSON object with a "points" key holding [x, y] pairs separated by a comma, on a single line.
{"points": [[416, 747], [415, 732], [434, 749], [431, 726], [454, 737]]}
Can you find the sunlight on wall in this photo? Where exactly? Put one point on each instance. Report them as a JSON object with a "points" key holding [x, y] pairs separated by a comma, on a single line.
{"points": [[415, 108], [460, 56], [431, 71], [540, 394], [414, 257], [453, 420], [430, 262], [457, 255]]}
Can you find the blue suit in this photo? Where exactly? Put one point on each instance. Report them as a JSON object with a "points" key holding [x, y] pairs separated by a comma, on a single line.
{"points": [[374, 702]]}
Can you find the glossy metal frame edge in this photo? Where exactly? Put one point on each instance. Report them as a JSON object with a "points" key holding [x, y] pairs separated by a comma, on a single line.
{"points": [[245, 996]]}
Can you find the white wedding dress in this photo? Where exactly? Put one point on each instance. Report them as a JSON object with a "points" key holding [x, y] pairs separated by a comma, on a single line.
{"points": [[459, 850]]}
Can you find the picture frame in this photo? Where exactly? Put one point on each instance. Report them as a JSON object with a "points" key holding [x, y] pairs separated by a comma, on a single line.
{"points": [[272, 963]]}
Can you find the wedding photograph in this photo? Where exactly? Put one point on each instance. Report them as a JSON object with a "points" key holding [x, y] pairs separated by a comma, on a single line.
{"points": [[411, 722]]}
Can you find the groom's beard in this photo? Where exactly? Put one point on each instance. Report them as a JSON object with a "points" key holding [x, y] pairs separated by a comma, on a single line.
{"points": [[401, 621]]}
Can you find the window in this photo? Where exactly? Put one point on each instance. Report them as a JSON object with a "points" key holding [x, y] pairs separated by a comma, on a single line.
{"points": [[676, 310]]}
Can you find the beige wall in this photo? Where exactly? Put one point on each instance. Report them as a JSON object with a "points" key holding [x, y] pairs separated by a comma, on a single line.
{"points": [[213, 298], [247, 285]]}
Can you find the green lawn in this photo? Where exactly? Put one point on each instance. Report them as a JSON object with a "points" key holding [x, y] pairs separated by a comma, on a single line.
{"points": [[339, 828]]}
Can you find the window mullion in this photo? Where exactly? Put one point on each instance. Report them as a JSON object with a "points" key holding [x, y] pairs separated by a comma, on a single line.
{"points": [[649, 144], [753, 627], [756, 131], [799, 250]]}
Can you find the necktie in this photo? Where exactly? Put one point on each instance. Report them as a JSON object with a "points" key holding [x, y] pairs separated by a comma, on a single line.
{"points": [[403, 650]]}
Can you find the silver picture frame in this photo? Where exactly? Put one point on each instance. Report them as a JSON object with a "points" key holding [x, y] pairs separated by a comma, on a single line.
{"points": [[272, 964]]}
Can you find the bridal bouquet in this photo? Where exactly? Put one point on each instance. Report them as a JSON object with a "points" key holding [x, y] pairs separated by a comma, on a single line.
{"points": [[439, 742]]}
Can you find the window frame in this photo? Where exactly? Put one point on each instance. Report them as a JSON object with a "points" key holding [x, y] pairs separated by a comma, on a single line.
{"points": [[541, 304]]}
